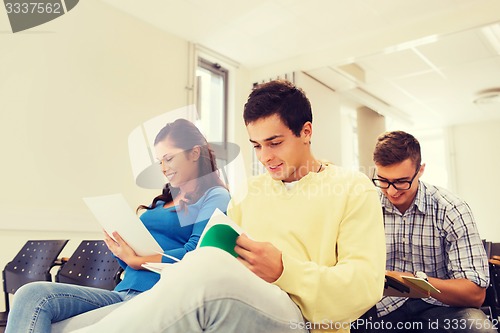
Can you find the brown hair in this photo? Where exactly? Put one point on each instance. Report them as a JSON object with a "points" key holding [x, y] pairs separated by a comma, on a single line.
{"points": [[395, 147], [279, 97], [185, 135]]}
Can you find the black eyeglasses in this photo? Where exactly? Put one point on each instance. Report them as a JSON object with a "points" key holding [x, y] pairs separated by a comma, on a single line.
{"points": [[401, 185]]}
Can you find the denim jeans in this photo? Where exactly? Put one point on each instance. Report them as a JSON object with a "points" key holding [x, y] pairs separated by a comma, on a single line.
{"points": [[417, 315], [38, 304], [208, 291]]}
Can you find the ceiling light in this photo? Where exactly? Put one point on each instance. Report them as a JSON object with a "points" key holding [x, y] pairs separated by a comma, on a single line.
{"points": [[491, 96]]}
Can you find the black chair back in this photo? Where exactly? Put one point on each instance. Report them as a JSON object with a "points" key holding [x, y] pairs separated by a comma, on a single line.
{"points": [[32, 263], [491, 304], [91, 265], [492, 292]]}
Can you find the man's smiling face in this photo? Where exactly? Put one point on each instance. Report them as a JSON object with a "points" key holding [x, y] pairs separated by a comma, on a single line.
{"points": [[282, 153]]}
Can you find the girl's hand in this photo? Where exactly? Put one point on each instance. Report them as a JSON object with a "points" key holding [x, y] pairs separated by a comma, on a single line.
{"points": [[122, 250]]}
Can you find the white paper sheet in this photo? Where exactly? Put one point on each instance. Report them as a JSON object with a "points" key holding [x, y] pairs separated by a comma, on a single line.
{"points": [[114, 214], [157, 267]]}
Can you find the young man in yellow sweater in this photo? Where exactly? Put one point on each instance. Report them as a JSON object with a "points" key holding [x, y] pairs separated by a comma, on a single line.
{"points": [[316, 257]]}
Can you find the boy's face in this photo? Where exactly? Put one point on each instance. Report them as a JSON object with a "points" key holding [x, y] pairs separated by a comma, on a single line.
{"points": [[283, 154], [405, 171]]}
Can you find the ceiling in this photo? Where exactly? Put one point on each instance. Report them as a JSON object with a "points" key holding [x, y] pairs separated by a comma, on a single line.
{"points": [[425, 61]]}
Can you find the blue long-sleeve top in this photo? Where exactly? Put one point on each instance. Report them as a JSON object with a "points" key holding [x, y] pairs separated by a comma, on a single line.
{"points": [[176, 231]]}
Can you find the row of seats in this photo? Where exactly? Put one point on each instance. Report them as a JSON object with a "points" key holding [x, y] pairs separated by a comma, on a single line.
{"points": [[92, 264]]}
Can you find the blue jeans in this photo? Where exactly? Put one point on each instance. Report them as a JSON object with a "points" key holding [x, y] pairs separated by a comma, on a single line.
{"points": [[417, 315], [37, 305], [208, 291]]}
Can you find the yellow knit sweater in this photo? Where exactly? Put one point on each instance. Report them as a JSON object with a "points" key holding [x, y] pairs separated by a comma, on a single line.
{"points": [[329, 227]]}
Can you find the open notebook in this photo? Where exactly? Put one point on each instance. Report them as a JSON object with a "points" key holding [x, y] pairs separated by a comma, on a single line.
{"points": [[407, 286], [220, 232]]}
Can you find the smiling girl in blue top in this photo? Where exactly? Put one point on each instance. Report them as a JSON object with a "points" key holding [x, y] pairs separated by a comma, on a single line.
{"points": [[175, 218]]}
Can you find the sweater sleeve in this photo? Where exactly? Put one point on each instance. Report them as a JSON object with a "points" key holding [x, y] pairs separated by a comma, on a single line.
{"points": [[217, 197], [344, 291]]}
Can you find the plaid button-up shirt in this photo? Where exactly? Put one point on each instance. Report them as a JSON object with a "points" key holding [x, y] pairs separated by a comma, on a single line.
{"points": [[436, 235]]}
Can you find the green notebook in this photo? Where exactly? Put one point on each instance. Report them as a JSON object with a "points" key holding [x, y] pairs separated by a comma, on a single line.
{"points": [[222, 236], [220, 232]]}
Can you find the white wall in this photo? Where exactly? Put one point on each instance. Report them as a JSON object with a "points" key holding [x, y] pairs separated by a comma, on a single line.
{"points": [[325, 103], [435, 155], [71, 91], [237, 133], [474, 154], [370, 126]]}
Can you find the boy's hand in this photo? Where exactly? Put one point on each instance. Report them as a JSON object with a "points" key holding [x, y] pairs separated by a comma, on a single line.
{"points": [[262, 258]]}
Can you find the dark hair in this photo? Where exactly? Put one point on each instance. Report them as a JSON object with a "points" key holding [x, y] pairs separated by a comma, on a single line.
{"points": [[185, 135], [395, 147], [279, 97]]}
